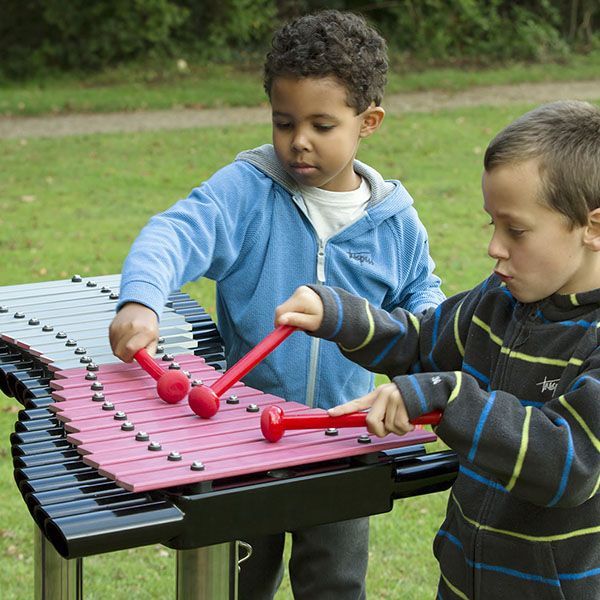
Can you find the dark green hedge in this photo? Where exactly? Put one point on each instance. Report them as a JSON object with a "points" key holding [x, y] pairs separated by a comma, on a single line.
{"points": [[93, 34]]}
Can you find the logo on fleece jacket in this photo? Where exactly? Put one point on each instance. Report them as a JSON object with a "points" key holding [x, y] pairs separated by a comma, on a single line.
{"points": [[361, 257], [548, 384]]}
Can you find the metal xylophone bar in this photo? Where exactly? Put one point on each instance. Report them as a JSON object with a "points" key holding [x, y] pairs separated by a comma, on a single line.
{"points": [[18, 366], [85, 513], [46, 318]]}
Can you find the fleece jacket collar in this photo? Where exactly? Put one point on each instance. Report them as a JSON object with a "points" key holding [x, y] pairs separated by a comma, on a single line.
{"points": [[393, 192]]}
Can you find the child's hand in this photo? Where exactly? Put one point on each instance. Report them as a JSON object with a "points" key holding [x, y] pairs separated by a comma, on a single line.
{"points": [[387, 415], [134, 327], [303, 309]]}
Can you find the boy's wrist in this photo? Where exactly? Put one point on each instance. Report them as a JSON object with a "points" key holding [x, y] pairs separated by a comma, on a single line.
{"points": [[425, 392], [140, 292], [328, 327]]}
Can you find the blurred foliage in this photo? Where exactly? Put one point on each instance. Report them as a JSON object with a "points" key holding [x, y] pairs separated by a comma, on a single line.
{"points": [[79, 34], [228, 29], [86, 35]]}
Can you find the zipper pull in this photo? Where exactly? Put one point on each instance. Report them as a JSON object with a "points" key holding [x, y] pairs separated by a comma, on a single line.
{"points": [[321, 263]]}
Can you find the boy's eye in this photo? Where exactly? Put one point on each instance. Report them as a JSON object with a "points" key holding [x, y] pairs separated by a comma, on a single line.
{"points": [[512, 231], [282, 124], [323, 127]]}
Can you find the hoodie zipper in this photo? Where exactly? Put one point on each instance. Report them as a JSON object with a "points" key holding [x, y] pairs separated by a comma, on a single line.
{"points": [[316, 342]]}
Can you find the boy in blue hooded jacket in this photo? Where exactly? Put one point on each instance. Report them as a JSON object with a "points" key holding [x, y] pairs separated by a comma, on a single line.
{"points": [[301, 209]]}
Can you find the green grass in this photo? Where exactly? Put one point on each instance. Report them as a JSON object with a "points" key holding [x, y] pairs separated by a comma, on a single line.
{"points": [[139, 87], [75, 204]]}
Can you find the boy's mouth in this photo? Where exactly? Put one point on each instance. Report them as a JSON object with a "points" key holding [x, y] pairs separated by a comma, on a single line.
{"points": [[302, 168], [502, 276]]}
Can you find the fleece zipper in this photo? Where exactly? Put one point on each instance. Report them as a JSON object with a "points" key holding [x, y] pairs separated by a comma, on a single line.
{"points": [[320, 269]]}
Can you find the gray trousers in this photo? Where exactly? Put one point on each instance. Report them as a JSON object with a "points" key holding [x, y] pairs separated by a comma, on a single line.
{"points": [[328, 562]]}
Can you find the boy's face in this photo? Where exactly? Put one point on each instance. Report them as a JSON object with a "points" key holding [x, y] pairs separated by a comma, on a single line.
{"points": [[316, 134], [536, 250]]}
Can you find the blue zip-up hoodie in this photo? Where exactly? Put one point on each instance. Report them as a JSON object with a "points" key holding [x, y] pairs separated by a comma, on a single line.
{"points": [[247, 229]]}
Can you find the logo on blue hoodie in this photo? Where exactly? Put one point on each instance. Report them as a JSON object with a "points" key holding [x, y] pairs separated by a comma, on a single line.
{"points": [[361, 257]]}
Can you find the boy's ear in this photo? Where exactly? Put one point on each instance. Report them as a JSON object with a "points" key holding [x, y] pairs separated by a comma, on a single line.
{"points": [[591, 236], [371, 120]]}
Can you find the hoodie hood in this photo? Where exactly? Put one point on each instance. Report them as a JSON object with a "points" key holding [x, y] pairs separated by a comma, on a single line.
{"points": [[392, 191]]}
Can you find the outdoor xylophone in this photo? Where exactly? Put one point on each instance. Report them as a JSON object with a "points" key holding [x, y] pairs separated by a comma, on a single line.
{"points": [[103, 464]]}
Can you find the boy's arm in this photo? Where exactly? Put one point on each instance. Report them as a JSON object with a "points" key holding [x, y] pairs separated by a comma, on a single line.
{"points": [[199, 235], [358, 328], [547, 455], [398, 341]]}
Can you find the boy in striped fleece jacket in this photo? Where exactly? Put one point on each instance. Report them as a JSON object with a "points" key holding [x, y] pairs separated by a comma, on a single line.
{"points": [[514, 364]]}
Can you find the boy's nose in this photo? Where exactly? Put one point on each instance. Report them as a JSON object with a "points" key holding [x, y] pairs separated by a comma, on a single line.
{"points": [[496, 249], [300, 142]]}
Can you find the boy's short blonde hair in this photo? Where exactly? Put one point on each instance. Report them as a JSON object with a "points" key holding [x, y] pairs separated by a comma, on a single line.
{"points": [[565, 138]]}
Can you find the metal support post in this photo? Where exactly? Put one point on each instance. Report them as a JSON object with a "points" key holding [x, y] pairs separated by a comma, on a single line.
{"points": [[55, 578]]}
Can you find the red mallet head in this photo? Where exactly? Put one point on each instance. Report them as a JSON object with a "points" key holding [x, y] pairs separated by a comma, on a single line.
{"points": [[271, 423], [173, 386], [204, 401]]}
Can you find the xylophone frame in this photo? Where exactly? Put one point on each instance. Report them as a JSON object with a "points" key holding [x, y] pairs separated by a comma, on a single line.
{"points": [[207, 553]]}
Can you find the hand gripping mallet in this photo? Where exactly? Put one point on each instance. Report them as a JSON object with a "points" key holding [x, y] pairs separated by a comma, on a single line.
{"points": [[273, 421], [172, 386], [204, 400]]}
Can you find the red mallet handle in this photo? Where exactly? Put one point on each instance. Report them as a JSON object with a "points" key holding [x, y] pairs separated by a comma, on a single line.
{"points": [[204, 401], [172, 386], [248, 362], [273, 421]]}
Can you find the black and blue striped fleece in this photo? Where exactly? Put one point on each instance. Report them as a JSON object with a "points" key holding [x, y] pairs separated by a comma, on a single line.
{"points": [[519, 386]]}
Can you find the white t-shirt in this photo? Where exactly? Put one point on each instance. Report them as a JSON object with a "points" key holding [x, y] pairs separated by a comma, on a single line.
{"points": [[331, 211]]}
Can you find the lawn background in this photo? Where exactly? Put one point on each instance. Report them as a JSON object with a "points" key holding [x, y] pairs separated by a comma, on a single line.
{"points": [[74, 205]]}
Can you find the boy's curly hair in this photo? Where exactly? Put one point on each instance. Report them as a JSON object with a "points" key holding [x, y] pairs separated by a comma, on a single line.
{"points": [[331, 43]]}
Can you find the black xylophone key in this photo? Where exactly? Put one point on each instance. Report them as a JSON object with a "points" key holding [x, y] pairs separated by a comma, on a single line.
{"points": [[120, 498], [34, 413], [46, 458], [92, 533], [37, 403], [52, 470], [37, 425], [21, 384], [40, 447], [90, 475], [74, 493], [32, 375], [35, 398], [33, 437]]}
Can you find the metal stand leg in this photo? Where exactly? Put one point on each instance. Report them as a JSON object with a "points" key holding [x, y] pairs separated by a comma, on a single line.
{"points": [[56, 578], [209, 573]]}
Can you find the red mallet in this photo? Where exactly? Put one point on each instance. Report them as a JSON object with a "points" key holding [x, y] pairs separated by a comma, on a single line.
{"points": [[273, 422], [172, 386], [204, 400]]}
